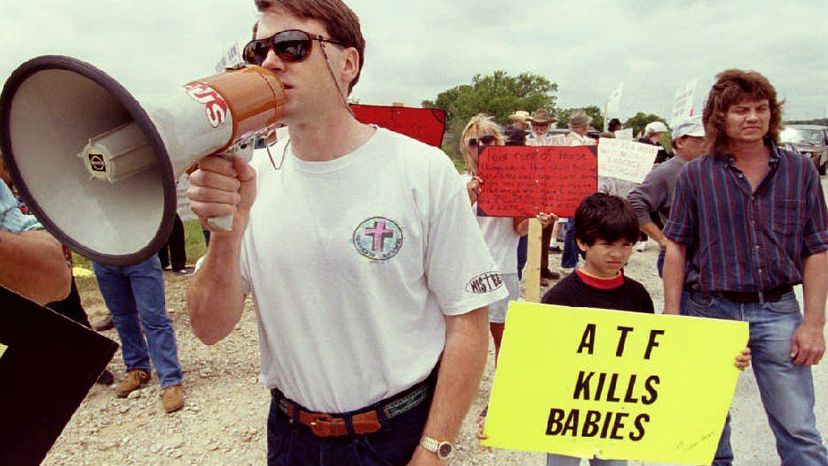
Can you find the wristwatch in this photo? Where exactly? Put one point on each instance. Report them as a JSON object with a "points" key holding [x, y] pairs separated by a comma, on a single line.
{"points": [[444, 450]]}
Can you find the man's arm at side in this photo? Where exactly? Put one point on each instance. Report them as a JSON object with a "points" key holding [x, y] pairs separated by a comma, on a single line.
{"points": [[653, 231], [32, 264], [674, 261], [808, 345], [467, 341], [215, 297]]}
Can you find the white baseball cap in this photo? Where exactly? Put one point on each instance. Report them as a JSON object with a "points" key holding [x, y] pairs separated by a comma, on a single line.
{"points": [[656, 127], [691, 127]]}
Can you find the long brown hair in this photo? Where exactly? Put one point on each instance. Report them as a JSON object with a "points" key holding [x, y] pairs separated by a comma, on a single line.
{"points": [[734, 87], [340, 21]]}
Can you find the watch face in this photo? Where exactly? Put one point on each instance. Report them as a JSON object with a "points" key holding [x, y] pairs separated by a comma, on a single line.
{"points": [[444, 451]]}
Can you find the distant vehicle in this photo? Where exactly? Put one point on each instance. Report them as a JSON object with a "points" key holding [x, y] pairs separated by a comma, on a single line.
{"points": [[811, 140]]}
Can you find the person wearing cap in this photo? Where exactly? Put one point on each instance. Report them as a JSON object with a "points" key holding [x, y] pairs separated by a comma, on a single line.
{"points": [[539, 136], [652, 136], [541, 122], [517, 132], [655, 193], [578, 127]]}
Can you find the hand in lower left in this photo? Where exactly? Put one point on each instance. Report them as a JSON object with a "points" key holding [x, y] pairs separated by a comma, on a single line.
{"points": [[808, 345]]}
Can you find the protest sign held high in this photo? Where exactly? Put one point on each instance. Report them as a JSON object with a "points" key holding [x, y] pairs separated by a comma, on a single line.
{"points": [[617, 385], [522, 181], [423, 124], [683, 105], [625, 160]]}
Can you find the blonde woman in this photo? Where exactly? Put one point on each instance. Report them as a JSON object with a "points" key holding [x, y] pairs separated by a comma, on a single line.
{"points": [[501, 234]]}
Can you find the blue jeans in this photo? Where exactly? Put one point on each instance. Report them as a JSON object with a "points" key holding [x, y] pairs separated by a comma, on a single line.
{"points": [[294, 445], [135, 296], [786, 389], [553, 459], [523, 245], [569, 258]]}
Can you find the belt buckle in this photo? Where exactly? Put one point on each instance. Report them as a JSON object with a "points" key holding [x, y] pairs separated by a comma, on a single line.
{"points": [[321, 425]]}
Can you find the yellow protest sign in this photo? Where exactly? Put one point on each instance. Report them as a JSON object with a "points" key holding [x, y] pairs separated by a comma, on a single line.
{"points": [[616, 385]]}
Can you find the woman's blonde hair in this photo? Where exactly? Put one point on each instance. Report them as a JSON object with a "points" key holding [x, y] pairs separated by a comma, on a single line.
{"points": [[480, 123]]}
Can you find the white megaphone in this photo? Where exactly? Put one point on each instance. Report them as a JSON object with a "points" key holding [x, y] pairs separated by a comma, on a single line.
{"points": [[98, 167]]}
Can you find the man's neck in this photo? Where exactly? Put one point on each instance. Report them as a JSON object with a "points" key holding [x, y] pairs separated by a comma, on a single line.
{"points": [[749, 153], [328, 137]]}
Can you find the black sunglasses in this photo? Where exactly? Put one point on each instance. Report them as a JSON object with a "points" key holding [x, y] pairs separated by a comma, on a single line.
{"points": [[483, 140], [291, 46]]}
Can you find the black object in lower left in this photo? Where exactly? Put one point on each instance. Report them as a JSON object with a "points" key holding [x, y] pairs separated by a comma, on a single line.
{"points": [[47, 366]]}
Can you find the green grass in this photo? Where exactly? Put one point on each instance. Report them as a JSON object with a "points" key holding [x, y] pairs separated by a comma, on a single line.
{"points": [[193, 243]]}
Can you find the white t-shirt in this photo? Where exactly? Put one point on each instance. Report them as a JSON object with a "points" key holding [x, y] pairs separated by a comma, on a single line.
{"points": [[500, 236], [354, 262]]}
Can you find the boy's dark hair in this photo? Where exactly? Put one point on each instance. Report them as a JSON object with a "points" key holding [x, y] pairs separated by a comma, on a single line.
{"points": [[604, 217]]}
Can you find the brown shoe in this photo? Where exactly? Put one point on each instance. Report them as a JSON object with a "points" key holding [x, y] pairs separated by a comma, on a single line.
{"points": [[104, 324], [172, 398], [134, 380]]}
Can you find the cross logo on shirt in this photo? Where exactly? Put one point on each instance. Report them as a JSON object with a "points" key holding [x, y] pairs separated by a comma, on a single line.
{"points": [[378, 238]]}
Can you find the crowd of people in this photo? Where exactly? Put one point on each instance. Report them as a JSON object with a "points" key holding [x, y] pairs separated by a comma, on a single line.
{"points": [[376, 286]]}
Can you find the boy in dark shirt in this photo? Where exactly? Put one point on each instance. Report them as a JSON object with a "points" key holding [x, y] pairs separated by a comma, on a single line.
{"points": [[606, 229]]}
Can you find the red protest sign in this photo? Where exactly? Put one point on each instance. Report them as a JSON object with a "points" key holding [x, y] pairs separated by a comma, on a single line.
{"points": [[520, 181], [423, 124]]}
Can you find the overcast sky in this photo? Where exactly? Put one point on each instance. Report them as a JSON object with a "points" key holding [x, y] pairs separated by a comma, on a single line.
{"points": [[417, 48]]}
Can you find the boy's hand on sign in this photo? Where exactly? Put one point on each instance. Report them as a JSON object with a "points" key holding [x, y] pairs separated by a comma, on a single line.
{"points": [[546, 219], [743, 359]]}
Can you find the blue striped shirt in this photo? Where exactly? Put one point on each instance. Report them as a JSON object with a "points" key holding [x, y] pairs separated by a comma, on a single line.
{"points": [[740, 240], [11, 218]]}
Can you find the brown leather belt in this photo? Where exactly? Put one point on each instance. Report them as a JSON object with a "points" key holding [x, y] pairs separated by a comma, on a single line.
{"points": [[751, 297], [366, 421]]}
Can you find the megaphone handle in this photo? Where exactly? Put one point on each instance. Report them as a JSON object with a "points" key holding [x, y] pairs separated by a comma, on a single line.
{"points": [[244, 150]]}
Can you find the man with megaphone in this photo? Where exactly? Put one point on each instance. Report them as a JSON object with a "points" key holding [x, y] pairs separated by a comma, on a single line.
{"points": [[367, 268]]}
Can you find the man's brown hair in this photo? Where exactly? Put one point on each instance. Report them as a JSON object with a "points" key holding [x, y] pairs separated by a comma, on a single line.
{"points": [[735, 87], [340, 22]]}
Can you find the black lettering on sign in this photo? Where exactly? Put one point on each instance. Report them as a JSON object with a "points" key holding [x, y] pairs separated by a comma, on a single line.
{"points": [[594, 423], [639, 427], [588, 339], [553, 424], [622, 339], [652, 343], [649, 386]]}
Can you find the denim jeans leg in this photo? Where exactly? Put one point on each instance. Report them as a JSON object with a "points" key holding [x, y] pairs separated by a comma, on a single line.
{"points": [[117, 295], [569, 258], [523, 245], [147, 282], [697, 304], [786, 389]]}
